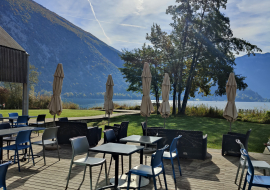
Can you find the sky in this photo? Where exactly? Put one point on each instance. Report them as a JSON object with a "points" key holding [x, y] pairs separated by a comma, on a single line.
{"points": [[123, 24]]}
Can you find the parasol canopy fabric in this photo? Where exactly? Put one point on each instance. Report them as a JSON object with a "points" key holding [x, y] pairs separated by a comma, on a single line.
{"points": [[146, 105], [108, 103], [164, 108], [230, 111], [55, 106]]}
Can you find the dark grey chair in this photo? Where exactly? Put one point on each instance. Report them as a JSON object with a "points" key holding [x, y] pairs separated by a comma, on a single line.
{"points": [[48, 135], [80, 146], [7, 138], [40, 121], [1, 117]]}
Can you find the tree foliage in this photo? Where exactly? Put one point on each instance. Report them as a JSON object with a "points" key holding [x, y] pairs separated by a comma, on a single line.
{"points": [[199, 52]]}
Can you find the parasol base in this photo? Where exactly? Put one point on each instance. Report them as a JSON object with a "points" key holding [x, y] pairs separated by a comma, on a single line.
{"points": [[134, 181]]}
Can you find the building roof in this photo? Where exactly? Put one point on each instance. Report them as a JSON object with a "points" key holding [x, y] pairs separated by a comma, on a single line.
{"points": [[7, 41]]}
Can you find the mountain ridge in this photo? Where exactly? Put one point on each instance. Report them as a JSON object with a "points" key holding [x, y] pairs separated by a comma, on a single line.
{"points": [[50, 39]]}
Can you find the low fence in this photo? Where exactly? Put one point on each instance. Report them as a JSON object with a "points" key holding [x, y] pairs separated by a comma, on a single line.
{"points": [[255, 111]]}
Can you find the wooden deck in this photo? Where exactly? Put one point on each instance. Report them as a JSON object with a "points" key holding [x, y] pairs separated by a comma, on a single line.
{"points": [[215, 173]]}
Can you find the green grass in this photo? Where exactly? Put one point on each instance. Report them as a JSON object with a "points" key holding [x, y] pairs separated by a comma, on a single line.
{"points": [[213, 127], [65, 113]]}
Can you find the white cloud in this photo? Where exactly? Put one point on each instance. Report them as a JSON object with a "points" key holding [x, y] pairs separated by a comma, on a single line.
{"points": [[126, 22]]}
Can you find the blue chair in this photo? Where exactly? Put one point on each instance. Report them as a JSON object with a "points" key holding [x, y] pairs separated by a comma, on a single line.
{"points": [[3, 172], [22, 121], [173, 154], [22, 138], [154, 170], [254, 180], [11, 120]]}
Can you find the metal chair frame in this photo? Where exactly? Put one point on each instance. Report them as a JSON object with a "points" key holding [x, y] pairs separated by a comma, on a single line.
{"points": [[80, 146], [49, 134]]}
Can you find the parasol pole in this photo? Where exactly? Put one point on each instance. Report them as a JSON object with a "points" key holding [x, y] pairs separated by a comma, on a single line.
{"points": [[230, 126], [54, 120], [109, 119], [146, 126], [164, 122]]}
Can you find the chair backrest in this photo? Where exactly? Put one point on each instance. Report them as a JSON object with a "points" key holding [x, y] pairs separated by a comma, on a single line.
{"points": [[50, 133], [4, 126], [23, 137], [109, 135], [13, 114], [241, 147], [79, 145], [173, 147], [123, 129], [41, 118], [22, 119], [63, 119], [250, 170], [1, 117], [157, 159], [3, 172]]}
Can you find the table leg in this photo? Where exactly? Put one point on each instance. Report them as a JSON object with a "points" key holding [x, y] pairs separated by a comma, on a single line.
{"points": [[116, 160], [141, 156], [1, 146]]}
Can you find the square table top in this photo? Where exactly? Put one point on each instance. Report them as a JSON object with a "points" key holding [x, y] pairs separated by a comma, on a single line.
{"points": [[141, 139], [117, 148], [10, 131]]}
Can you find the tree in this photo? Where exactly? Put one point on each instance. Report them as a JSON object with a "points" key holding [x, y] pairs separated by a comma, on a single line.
{"points": [[133, 67], [205, 33], [15, 89]]}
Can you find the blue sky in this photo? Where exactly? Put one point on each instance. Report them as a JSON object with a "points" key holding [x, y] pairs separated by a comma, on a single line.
{"points": [[124, 23]]}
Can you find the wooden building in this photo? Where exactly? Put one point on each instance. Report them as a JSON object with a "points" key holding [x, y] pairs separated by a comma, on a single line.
{"points": [[14, 65]]}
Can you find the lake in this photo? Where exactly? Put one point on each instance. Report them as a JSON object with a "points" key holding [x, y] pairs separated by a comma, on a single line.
{"points": [[88, 103]]}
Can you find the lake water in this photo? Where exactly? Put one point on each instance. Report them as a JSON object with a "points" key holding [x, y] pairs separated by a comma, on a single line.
{"points": [[88, 103]]}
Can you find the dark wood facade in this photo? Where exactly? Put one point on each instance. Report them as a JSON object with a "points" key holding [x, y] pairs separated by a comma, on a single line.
{"points": [[13, 65]]}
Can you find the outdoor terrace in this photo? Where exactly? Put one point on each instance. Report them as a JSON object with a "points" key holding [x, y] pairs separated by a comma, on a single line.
{"points": [[217, 172]]}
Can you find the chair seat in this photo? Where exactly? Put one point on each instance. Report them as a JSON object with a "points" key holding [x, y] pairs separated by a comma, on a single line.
{"points": [[9, 139], [21, 125], [46, 142], [167, 155], [260, 180], [13, 147], [145, 170], [257, 164], [91, 161]]}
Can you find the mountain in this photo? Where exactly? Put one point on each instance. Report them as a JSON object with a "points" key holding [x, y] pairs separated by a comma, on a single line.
{"points": [[87, 61], [50, 39], [256, 69]]}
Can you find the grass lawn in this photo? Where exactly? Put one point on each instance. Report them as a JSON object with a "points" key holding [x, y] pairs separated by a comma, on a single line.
{"points": [[214, 128], [65, 113]]}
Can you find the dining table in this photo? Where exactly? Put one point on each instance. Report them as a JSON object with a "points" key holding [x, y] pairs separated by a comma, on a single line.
{"points": [[117, 149], [10, 131]]}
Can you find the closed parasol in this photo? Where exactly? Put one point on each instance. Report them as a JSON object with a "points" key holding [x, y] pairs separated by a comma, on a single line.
{"points": [[164, 108], [55, 106], [230, 111], [146, 105], [108, 103]]}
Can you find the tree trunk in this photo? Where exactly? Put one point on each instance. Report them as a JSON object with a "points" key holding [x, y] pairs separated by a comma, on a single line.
{"points": [[174, 98], [157, 102], [196, 55], [179, 102]]}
